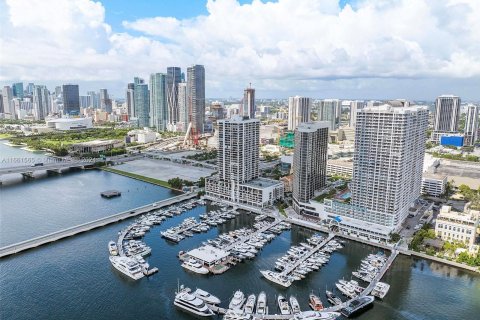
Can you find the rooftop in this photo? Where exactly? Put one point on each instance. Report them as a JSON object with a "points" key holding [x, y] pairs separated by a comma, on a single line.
{"points": [[97, 143], [208, 254], [261, 183], [312, 126]]}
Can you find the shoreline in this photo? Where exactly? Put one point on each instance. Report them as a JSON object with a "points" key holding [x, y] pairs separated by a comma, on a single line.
{"points": [[157, 182]]}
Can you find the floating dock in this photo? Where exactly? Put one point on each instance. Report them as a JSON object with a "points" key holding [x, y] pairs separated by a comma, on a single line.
{"points": [[110, 194]]}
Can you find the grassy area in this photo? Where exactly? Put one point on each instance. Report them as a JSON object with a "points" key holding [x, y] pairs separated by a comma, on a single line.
{"points": [[459, 157], [5, 135], [328, 195], [139, 177]]}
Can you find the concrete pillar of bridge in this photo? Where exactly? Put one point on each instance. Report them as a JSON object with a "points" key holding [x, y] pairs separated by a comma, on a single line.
{"points": [[28, 175]]}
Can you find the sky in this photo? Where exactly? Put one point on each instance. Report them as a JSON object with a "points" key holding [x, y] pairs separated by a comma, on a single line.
{"points": [[351, 49]]}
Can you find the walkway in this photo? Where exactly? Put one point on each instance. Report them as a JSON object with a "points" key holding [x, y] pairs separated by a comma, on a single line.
{"points": [[38, 241]]}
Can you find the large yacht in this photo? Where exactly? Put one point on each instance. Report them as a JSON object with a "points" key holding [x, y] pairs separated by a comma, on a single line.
{"points": [[295, 305], [207, 297], [128, 266], [316, 315], [237, 301], [262, 308], [112, 248], [192, 304], [283, 305], [250, 305], [357, 305], [194, 266]]}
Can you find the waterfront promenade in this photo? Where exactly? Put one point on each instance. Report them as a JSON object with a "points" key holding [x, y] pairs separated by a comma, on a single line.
{"points": [[68, 232]]}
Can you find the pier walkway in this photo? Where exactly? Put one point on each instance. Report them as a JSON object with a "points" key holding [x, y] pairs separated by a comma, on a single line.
{"points": [[65, 233], [308, 255]]}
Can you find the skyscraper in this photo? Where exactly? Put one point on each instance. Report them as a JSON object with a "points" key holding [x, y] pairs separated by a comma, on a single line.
{"points": [[196, 98], [158, 101], [142, 103], [388, 162], [471, 125], [105, 101], [129, 100], [447, 115], [298, 111], [330, 110], [18, 90], [71, 99], [174, 77], [1, 104], [248, 106], [309, 162], [182, 104], [40, 102], [94, 99], [354, 107], [7, 94], [30, 87]]}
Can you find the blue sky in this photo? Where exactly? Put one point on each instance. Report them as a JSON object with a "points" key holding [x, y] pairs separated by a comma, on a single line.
{"points": [[413, 49]]}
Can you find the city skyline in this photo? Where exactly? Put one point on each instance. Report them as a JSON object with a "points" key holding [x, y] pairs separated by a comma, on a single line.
{"points": [[388, 62]]}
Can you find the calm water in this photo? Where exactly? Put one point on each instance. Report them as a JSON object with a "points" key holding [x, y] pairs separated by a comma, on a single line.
{"points": [[73, 279]]}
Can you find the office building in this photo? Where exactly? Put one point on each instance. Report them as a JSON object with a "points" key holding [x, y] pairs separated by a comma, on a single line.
{"points": [[105, 101], [309, 162], [130, 100], [142, 103], [471, 125], [18, 90], [158, 101], [71, 99], [447, 116], [1, 103], [330, 110], [182, 105], [433, 184], [7, 94], [248, 106], [238, 179], [299, 109], [174, 77], [30, 87], [196, 98], [41, 102], [460, 227]]}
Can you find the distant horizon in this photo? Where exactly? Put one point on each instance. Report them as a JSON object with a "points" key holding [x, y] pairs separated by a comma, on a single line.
{"points": [[416, 50]]}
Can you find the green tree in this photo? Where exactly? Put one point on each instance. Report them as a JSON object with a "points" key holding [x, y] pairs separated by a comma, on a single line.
{"points": [[175, 183]]}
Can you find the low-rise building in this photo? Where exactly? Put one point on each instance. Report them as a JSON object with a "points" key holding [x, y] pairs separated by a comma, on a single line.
{"points": [[433, 184], [96, 146], [339, 168], [458, 226], [65, 124], [287, 183]]}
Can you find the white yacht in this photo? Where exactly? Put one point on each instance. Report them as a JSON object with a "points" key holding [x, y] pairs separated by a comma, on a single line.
{"points": [[316, 315], [237, 301], [192, 304], [236, 315], [127, 266], [194, 266], [262, 308], [250, 305], [207, 297], [276, 278], [112, 248], [283, 305], [295, 305]]}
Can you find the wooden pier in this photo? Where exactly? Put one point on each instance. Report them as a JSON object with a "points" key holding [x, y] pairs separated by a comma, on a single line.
{"points": [[65, 233]]}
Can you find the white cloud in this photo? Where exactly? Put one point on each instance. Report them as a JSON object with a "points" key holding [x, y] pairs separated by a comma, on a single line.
{"points": [[275, 45]]}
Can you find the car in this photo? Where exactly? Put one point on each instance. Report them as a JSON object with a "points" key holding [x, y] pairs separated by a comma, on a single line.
{"points": [[411, 215], [408, 227]]}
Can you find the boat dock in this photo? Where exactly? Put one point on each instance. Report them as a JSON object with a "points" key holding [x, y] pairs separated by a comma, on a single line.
{"points": [[221, 311], [308, 255], [372, 284], [110, 194], [68, 232], [248, 237]]}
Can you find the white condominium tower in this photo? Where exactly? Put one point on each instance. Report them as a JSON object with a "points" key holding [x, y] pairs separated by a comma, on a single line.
{"points": [[388, 162], [298, 111], [471, 125], [354, 107], [447, 115], [309, 161], [238, 149], [330, 110]]}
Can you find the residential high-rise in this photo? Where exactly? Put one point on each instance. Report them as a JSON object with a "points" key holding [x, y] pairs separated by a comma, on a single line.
{"points": [[330, 110], [158, 101], [129, 100], [105, 101], [447, 116], [174, 77], [142, 103], [196, 98], [94, 99], [248, 106], [238, 157], [471, 125], [71, 99], [1, 103], [298, 111], [41, 104], [354, 107], [18, 90], [182, 105], [309, 162], [7, 94], [388, 163], [30, 87], [58, 90]]}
